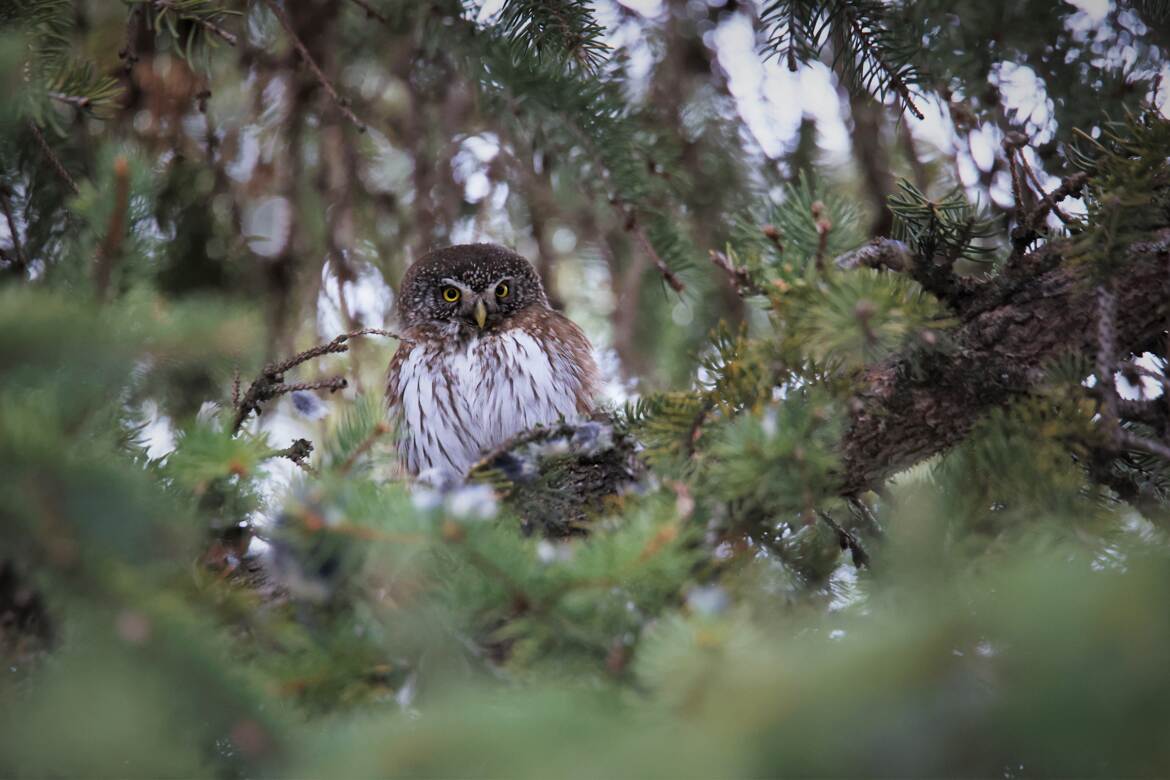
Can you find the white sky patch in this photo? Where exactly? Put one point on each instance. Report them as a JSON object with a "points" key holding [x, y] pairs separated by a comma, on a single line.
{"points": [[772, 100], [369, 298], [267, 226], [159, 432], [470, 165], [1094, 9]]}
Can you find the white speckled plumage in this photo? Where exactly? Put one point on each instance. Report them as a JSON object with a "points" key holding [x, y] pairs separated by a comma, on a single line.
{"points": [[457, 391]]}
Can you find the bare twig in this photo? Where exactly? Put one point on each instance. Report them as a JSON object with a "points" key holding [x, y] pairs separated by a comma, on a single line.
{"points": [[110, 248], [270, 384], [54, 161], [77, 101], [341, 102], [633, 227], [848, 541], [372, 12], [20, 262], [740, 276]]}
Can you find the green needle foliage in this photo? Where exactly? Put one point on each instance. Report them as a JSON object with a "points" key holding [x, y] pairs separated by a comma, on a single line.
{"points": [[854, 505]]}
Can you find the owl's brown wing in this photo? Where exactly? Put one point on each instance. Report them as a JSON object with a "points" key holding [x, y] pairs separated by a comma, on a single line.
{"points": [[569, 348]]}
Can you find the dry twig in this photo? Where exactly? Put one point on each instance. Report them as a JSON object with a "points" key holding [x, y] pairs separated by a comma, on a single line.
{"points": [[54, 161], [270, 384], [342, 103]]}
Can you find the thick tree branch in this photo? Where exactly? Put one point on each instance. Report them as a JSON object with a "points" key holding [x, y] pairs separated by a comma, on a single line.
{"points": [[912, 407], [893, 255]]}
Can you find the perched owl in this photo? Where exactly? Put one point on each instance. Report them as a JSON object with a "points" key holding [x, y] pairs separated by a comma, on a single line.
{"points": [[483, 358]]}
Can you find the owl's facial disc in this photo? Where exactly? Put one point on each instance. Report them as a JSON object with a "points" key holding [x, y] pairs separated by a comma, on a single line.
{"points": [[475, 287], [477, 306]]}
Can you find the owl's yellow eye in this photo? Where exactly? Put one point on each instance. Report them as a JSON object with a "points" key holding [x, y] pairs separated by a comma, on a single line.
{"points": [[502, 290], [451, 294]]}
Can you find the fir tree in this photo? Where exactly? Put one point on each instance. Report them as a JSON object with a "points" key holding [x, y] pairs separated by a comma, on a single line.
{"points": [[886, 491]]}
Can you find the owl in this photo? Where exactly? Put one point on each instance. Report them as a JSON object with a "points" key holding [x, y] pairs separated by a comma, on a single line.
{"points": [[483, 358]]}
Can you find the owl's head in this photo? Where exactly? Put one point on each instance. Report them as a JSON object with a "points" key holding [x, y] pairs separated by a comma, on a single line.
{"points": [[472, 286]]}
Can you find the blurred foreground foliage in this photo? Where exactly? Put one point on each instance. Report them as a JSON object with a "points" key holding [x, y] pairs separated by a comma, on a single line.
{"points": [[187, 591], [422, 634]]}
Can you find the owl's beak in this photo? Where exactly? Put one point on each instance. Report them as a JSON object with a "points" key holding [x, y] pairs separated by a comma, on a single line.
{"points": [[480, 312]]}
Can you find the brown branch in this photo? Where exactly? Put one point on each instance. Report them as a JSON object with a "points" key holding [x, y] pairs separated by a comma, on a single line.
{"points": [[1155, 412], [341, 102], [915, 405], [632, 226], [887, 253], [791, 38], [893, 255], [54, 161], [1134, 441], [896, 81], [110, 249], [1106, 362]]}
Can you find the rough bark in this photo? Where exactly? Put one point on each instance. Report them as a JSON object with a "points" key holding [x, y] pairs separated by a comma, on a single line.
{"points": [[1008, 332]]}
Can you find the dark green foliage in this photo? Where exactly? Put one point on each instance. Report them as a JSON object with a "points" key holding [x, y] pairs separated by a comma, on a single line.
{"points": [[1132, 186], [947, 228], [874, 52], [562, 31]]}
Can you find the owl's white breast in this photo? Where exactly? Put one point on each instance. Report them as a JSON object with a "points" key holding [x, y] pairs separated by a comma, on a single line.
{"points": [[463, 399]]}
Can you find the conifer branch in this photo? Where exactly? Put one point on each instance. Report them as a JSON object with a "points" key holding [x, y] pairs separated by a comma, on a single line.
{"points": [[632, 226], [739, 276], [914, 405], [201, 19], [1152, 412], [848, 541], [342, 103], [52, 158], [893, 255], [1133, 441], [874, 65]]}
